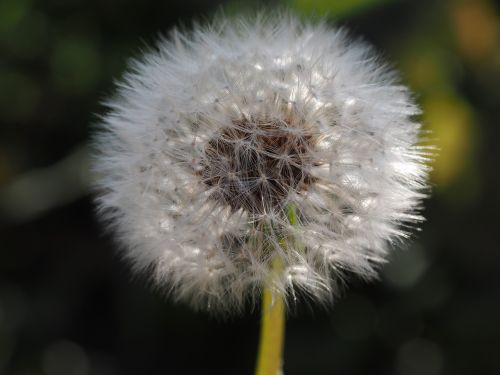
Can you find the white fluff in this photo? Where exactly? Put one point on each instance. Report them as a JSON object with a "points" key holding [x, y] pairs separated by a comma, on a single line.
{"points": [[302, 99]]}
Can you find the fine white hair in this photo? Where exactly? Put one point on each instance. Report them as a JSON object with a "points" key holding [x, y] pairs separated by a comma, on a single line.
{"points": [[261, 151]]}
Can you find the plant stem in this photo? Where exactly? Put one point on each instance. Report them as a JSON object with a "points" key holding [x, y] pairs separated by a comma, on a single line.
{"points": [[272, 331]]}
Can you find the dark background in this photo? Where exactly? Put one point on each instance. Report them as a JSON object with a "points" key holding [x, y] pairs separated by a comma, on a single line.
{"points": [[68, 305]]}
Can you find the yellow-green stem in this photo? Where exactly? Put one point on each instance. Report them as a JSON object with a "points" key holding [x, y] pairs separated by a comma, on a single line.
{"points": [[272, 331]]}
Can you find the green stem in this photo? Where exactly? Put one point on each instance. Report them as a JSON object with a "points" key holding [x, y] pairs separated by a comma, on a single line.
{"points": [[272, 331]]}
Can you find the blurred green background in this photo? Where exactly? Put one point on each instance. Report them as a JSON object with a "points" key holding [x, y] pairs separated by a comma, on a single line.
{"points": [[68, 306]]}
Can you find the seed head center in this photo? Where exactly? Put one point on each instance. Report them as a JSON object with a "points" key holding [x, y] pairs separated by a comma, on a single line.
{"points": [[256, 164]]}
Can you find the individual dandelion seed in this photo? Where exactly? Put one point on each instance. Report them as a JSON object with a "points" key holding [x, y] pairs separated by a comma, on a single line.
{"points": [[268, 151]]}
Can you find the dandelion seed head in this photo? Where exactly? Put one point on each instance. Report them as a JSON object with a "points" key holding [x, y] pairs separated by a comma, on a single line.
{"points": [[246, 141]]}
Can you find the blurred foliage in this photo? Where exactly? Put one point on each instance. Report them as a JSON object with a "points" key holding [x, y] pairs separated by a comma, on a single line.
{"points": [[337, 9], [67, 306]]}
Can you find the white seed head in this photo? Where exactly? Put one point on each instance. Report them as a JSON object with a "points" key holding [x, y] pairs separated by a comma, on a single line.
{"points": [[248, 143]]}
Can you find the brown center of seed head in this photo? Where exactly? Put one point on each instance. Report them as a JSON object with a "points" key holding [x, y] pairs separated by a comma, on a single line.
{"points": [[255, 164]]}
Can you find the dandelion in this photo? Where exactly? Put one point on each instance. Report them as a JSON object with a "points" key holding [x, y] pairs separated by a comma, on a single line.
{"points": [[270, 154]]}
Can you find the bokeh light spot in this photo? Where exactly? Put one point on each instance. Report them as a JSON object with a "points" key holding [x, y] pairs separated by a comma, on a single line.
{"points": [[406, 268], [11, 12], [65, 358], [450, 121], [476, 28], [28, 38], [418, 357]]}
